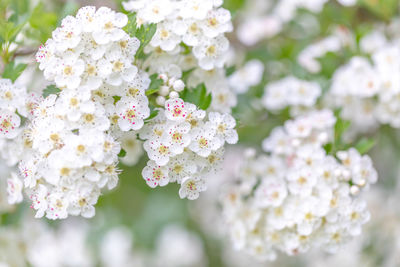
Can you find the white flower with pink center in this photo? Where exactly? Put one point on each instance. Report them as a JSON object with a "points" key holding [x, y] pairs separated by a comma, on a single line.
{"points": [[175, 109], [9, 123], [155, 175]]}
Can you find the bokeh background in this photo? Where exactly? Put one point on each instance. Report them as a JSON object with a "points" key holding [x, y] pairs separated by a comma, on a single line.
{"points": [[139, 226]]}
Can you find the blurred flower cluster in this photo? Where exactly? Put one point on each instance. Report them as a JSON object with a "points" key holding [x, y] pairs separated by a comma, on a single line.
{"points": [[273, 117]]}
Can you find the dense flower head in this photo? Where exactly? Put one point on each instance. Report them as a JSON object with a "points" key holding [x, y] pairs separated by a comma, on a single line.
{"points": [[75, 137], [292, 92], [297, 196], [200, 25], [89, 50], [184, 146], [367, 88]]}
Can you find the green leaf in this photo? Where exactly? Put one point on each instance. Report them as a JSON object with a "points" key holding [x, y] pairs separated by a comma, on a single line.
{"points": [[155, 84], [365, 145], [131, 27], [9, 31], [328, 148], [186, 74], [122, 153], [43, 22], [385, 9], [229, 71], [145, 33], [12, 71], [116, 99], [50, 90], [153, 114], [340, 127], [233, 5], [197, 96]]}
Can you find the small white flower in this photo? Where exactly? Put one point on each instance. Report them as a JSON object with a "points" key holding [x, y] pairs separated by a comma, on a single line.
{"points": [[132, 112], [204, 140], [191, 187], [155, 175], [14, 189], [224, 125], [9, 124], [175, 109]]}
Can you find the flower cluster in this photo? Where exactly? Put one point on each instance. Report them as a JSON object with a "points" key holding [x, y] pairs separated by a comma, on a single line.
{"points": [[74, 135], [249, 75], [15, 103], [264, 19], [298, 196], [292, 92], [199, 24], [309, 57], [184, 146], [368, 92]]}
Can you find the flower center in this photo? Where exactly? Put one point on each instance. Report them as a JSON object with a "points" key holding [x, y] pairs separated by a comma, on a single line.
{"points": [[203, 142]]}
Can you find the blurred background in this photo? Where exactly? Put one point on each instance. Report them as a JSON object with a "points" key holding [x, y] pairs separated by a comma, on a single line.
{"points": [[139, 226]]}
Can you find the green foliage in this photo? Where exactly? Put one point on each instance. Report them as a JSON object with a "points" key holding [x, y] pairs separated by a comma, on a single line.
{"points": [[9, 31], [234, 5], [155, 84], [365, 145], [153, 114], [122, 153], [144, 33], [42, 22], [50, 90], [384, 9], [340, 127], [197, 96], [12, 71], [116, 99]]}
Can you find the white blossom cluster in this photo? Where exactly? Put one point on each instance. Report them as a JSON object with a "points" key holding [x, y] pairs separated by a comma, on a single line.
{"points": [[16, 105], [290, 92], [309, 57], [266, 18], [171, 68], [297, 196], [184, 146], [368, 91], [199, 24], [74, 135], [247, 76]]}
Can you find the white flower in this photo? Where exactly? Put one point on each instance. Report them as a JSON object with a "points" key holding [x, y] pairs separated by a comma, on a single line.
{"points": [[158, 151], [181, 166], [9, 124], [196, 9], [191, 187], [271, 192], [165, 37], [132, 112], [247, 76], [57, 206], [176, 136], [301, 181], [155, 175], [217, 22], [204, 140], [14, 189], [211, 52], [109, 26], [68, 72], [224, 125], [175, 109]]}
